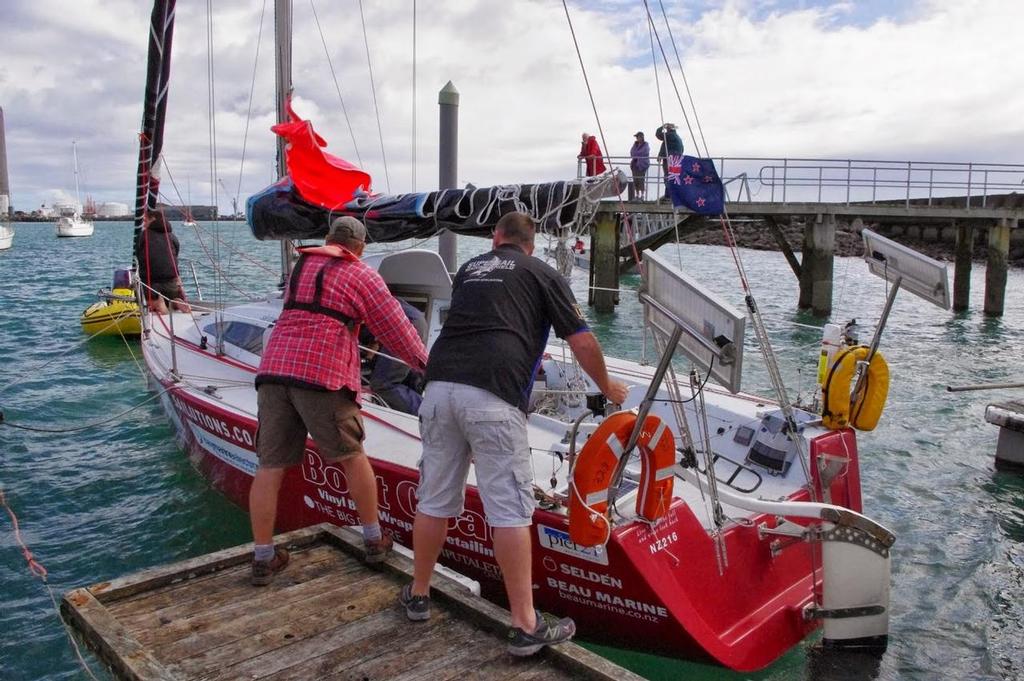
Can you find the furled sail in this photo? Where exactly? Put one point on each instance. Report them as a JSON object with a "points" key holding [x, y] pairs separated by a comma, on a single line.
{"points": [[320, 187], [154, 108]]}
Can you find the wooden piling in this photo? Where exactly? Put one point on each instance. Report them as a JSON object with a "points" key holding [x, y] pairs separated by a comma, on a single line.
{"points": [[963, 259], [817, 265], [604, 262], [327, 615], [998, 260]]}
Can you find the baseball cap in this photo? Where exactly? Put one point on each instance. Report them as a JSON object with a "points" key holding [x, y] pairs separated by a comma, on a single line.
{"points": [[638, 133], [345, 228]]}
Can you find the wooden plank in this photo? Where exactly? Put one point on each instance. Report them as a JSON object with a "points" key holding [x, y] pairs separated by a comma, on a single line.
{"points": [[205, 591], [294, 638], [245, 617], [233, 589], [125, 655], [411, 644], [398, 634], [460, 663], [154, 578], [490, 617]]}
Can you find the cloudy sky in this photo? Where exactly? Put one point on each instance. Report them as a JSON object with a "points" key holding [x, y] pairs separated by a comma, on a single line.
{"points": [[936, 80]]}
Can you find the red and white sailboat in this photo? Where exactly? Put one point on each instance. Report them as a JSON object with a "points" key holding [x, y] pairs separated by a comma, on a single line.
{"points": [[759, 541]]}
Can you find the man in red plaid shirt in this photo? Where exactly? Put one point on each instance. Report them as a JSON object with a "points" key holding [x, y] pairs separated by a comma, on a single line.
{"points": [[308, 382]]}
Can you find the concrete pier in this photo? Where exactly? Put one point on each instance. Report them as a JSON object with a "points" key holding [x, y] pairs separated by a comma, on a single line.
{"points": [[604, 262], [963, 264], [995, 274], [817, 265]]}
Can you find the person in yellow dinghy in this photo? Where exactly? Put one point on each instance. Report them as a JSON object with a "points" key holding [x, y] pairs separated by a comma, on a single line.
{"points": [[156, 249]]}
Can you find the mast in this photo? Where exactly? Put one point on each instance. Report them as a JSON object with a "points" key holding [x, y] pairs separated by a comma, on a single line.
{"points": [[5, 186], [74, 154], [283, 83], [154, 108]]}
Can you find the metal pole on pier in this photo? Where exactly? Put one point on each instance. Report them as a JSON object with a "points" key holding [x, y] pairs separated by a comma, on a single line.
{"points": [[448, 163]]}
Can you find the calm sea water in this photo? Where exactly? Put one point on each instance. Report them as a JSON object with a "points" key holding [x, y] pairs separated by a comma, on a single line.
{"points": [[120, 496]]}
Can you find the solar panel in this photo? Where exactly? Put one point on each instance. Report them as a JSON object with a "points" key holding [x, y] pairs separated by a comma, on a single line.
{"points": [[921, 275], [712, 329]]}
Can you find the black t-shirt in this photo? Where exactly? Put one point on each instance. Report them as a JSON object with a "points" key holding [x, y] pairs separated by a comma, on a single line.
{"points": [[504, 304]]}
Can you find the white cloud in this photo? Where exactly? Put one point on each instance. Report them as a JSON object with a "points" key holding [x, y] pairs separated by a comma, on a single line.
{"points": [[935, 81]]}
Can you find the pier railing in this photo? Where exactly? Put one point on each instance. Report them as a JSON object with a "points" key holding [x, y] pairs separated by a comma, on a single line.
{"points": [[847, 181]]}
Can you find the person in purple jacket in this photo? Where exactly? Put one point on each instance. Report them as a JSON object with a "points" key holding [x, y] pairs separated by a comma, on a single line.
{"points": [[639, 162]]}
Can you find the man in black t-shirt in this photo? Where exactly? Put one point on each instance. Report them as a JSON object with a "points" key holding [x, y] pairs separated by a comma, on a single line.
{"points": [[479, 376]]}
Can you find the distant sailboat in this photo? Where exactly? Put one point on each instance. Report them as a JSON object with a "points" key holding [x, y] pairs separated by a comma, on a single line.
{"points": [[6, 231], [70, 221], [189, 220]]}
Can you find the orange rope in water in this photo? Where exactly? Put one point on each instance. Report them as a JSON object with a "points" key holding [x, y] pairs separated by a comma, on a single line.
{"points": [[34, 566]]}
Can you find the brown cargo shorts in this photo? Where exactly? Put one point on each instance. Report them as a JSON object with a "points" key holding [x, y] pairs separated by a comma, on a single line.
{"points": [[287, 414]]}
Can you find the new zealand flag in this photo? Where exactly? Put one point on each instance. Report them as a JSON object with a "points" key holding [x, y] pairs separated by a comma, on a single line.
{"points": [[694, 183]]}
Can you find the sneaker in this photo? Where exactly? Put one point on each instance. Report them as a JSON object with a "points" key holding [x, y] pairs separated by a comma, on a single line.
{"points": [[263, 571], [417, 608], [550, 630], [378, 549]]}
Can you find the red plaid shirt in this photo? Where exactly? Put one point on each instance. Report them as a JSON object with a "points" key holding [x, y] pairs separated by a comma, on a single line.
{"points": [[313, 350]]}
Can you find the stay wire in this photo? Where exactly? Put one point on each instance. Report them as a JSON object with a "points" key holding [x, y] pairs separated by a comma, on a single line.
{"points": [[413, 188], [590, 92], [337, 86], [252, 92], [94, 424], [682, 72], [654, 66], [373, 88]]}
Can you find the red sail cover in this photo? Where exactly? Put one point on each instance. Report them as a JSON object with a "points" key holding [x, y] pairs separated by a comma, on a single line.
{"points": [[320, 178]]}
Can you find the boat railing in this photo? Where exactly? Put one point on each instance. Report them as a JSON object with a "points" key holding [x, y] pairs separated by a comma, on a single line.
{"points": [[845, 181]]}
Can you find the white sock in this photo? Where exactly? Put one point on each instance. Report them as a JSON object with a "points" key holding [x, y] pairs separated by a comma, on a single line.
{"points": [[263, 551], [372, 532]]}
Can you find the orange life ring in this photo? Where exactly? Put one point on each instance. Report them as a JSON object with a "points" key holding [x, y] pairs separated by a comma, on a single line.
{"points": [[589, 524]]}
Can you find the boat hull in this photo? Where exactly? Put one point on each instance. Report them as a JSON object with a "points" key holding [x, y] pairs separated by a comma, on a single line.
{"points": [[67, 227], [112, 318], [658, 589]]}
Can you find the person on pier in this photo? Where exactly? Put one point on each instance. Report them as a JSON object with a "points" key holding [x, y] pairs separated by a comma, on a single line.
{"points": [[590, 151], [671, 145], [504, 303], [639, 162], [308, 381]]}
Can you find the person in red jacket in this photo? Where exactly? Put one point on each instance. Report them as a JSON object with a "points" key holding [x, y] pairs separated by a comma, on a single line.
{"points": [[308, 381], [592, 153]]}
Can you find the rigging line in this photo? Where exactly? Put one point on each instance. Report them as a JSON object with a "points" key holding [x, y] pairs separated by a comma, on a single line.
{"points": [[682, 72], [413, 96], [590, 92], [37, 429], [211, 111], [373, 88], [337, 86], [760, 331], [37, 569], [668, 68], [234, 250], [215, 266], [654, 66], [252, 91], [627, 221]]}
